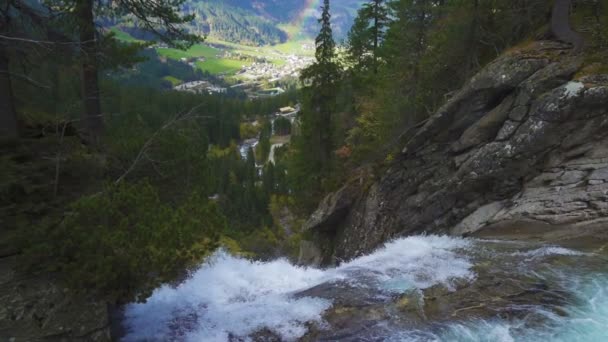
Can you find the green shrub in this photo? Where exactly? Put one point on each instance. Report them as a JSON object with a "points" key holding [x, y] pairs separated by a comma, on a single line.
{"points": [[248, 131], [124, 242]]}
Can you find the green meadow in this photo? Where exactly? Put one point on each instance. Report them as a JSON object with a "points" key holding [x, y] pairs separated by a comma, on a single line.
{"points": [[123, 36], [174, 80], [218, 65]]}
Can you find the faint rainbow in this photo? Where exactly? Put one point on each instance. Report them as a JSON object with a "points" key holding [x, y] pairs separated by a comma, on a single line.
{"points": [[310, 6]]}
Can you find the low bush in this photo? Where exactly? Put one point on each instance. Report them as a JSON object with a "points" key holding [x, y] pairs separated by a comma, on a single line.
{"points": [[124, 242]]}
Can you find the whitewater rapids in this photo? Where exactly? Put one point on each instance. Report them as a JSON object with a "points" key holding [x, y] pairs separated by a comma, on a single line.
{"points": [[230, 298]]}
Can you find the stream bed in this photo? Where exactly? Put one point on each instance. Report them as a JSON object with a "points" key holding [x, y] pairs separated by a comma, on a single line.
{"points": [[422, 288]]}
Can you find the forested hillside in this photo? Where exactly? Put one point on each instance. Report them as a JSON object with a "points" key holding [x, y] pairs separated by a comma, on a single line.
{"points": [[303, 14], [95, 152], [221, 20], [403, 60]]}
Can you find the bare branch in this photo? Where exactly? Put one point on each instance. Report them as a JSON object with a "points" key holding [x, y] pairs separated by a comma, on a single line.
{"points": [[144, 149], [44, 42], [58, 158], [26, 78]]}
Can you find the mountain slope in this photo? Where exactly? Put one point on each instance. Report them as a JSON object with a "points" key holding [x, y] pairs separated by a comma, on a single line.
{"points": [[234, 24], [257, 22]]}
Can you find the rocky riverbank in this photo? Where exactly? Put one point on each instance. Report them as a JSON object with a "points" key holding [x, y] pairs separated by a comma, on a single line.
{"points": [[522, 146]]}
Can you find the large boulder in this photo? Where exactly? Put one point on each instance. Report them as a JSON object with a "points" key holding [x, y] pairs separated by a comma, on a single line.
{"points": [[524, 139]]}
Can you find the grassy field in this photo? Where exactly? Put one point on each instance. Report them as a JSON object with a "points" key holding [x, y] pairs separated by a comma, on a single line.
{"points": [[195, 51], [295, 47], [123, 36], [212, 63], [174, 80], [217, 65], [221, 66]]}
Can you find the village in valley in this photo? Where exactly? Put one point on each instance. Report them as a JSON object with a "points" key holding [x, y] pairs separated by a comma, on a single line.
{"points": [[257, 77]]}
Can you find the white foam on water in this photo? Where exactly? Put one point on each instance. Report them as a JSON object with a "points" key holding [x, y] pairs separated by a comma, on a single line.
{"points": [[549, 250], [229, 295], [586, 320], [234, 297], [416, 262]]}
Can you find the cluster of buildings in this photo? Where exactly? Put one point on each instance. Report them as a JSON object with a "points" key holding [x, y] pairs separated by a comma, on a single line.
{"points": [[200, 87], [273, 72]]}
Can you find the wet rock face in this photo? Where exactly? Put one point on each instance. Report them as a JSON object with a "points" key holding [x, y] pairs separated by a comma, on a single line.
{"points": [[522, 140], [35, 307]]}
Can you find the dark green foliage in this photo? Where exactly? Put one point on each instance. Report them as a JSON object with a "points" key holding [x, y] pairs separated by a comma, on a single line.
{"points": [[282, 126], [590, 18], [185, 163], [430, 48], [163, 18], [314, 145], [124, 242], [268, 179], [152, 71], [263, 147], [358, 43], [367, 35]]}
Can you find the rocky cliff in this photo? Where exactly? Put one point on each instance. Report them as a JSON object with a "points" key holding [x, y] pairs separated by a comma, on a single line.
{"points": [[524, 144]]}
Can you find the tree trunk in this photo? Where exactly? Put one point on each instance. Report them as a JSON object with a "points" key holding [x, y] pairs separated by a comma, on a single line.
{"points": [[376, 35], [9, 130], [560, 25], [472, 39], [92, 118]]}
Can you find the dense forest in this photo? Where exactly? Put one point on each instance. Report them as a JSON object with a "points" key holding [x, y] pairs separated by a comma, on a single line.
{"points": [[119, 186], [97, 159], [402, 60]]}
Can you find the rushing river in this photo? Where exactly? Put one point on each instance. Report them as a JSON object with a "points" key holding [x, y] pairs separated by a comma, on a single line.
{"points": [[426, 288]]}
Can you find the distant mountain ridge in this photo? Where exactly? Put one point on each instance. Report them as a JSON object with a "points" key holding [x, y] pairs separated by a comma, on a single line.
{"points": [[221, 20], [255, 22]]}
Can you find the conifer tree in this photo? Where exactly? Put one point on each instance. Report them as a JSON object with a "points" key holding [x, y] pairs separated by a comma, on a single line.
{"points": [[321, 79], [314, 145], [18, 19], [159, 17], [8, 118], [367, 34], [357, 43]]}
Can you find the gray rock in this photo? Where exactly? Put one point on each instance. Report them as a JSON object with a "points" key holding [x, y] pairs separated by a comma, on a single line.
{"points": [[310, 254], [570, 177], [542, 165], [478, 219], [599, 174], [518, 113], [485, 129], [507, 130], [333, 207]]}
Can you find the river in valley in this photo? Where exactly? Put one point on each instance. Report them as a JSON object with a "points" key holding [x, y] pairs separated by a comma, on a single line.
{"points": [[423, 288]]}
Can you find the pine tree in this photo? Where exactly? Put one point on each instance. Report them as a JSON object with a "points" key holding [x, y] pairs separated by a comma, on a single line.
{"points": [[159, 17], [314, 145], [321, 79], [357, 43], [8, 117], [17, 18], [377, 12], [367, 35]]}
